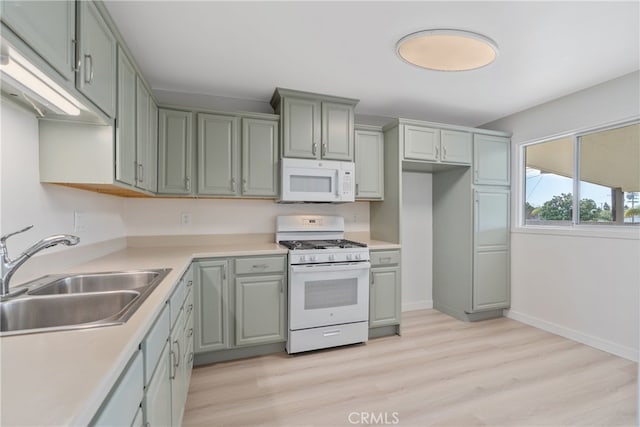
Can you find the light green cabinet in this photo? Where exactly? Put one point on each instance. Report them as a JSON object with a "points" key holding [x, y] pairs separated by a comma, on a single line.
{"points": [[455, 147], [121, 407], [260, 309], [175, 151], [385, 289], [301, 128], [96, 78], [421, 143], [126, 121], [491, 249], [315, 126], [491, 160], [49, 27], [218, 160], [337, 131], [260, 159], [369, 159], [211, 322], [146, 139], [436, 145], [157, 405]]}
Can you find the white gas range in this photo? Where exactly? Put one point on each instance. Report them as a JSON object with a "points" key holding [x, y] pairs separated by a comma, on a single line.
{"points": [[328, 283]]}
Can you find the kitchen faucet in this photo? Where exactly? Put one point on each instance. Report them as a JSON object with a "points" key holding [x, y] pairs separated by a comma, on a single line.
{"points": [[8, 266]]}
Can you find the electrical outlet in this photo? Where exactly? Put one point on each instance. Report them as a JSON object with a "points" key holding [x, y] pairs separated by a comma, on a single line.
{"points": [[185, 218], [79, 222]]}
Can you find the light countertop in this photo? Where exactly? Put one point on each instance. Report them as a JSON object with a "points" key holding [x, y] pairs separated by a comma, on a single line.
{"points": [[61, 378]]}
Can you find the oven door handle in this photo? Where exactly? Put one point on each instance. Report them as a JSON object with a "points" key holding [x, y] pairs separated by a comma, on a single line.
{"points": [[320, 268]]}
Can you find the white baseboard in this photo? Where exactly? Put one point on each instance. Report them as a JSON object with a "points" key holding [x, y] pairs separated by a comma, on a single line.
{"points": [[417, 305], [572, 334]]}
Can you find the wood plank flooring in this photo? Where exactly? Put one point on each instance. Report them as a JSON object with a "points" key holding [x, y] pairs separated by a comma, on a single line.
{"points": [[441, 372]]}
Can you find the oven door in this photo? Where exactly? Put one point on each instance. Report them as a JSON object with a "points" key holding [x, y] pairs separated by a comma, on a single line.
{"points": [[328, 294]]}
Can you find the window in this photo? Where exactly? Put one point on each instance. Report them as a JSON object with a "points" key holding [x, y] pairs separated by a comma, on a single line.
{"points": [[601, 167]]}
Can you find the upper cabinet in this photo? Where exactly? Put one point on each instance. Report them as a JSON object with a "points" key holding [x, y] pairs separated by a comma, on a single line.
{"points": [[126, 121], [218, 161], [369, 158], [315, 126], [491, 160], [175, 151], [49, 27], [260, 160], [433, 145], [96, 78]]}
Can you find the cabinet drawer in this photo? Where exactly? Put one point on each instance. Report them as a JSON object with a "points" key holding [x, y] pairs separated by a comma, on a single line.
{"points": [[385, 258], [260, 265], [177, 300], [155, 342]]}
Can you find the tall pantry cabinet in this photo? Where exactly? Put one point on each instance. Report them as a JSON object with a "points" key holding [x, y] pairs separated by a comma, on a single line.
{"points": [[471, 211]]}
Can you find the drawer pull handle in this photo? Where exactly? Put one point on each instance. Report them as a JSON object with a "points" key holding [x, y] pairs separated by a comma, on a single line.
{"points": [[385, 259], [260, 266], [331, 333]]}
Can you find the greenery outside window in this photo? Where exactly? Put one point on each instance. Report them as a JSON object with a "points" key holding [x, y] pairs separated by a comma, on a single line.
{"points": [[602, 167]]}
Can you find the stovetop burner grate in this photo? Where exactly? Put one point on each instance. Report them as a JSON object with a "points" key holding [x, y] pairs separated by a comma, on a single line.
{"points": [[322, 244]]}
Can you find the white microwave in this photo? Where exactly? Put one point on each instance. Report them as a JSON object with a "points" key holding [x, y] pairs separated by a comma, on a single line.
{"points": [[305, 180]]}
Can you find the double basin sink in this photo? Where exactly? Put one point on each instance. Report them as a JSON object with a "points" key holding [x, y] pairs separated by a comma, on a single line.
{"points": [[64, 302]]}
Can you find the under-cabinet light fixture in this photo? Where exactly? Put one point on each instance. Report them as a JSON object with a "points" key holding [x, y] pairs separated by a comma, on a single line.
{"points": [[22, 75], [447, 50]]}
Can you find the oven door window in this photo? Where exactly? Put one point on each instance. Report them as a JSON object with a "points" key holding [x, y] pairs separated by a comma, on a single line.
{"points": [[320, 294]]}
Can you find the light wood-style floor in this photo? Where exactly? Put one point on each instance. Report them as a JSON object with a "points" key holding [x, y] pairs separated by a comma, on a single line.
{"points": [[441, 372]]}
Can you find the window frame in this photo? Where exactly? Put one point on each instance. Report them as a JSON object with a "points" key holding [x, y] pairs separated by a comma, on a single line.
{"points": [[575, 227]]}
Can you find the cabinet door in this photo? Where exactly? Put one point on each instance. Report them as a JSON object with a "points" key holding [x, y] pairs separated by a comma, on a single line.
{"points": [[217, 155], [369, 157], [491, 250], [142, 133], [151, 169], [337, 131], [259, 158], [211, 322], [260, 310], [421, 143], [177, 370], [97, 75], [48, 27], [384, 298], [157, 399], [301, 128], [456, 147], [126, 122], [491, 160], [174, 152]]}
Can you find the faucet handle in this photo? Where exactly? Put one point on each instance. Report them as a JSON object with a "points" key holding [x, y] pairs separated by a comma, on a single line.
{"points": [[4, 238]]}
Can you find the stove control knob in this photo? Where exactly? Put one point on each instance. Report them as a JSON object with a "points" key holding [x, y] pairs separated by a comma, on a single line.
{"points": [[312, 258], [358, 257], [349, 257], [302, 258], [332, 258]]}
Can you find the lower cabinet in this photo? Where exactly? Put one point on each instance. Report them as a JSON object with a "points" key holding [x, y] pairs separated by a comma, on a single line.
{"points": [[384, 295], [239, 302], [153, 388], [157, 405]]}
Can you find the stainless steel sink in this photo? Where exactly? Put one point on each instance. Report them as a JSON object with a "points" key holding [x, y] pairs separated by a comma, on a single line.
{"points": [[53, 312], [64, 302], [100, 282]]}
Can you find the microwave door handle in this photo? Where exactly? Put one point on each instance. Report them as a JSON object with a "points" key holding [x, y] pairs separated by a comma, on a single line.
{"points": [[317, 268], [338, 184]]}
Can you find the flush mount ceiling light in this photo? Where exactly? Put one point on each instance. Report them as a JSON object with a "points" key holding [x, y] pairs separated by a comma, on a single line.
{"points": [[447, 50]]}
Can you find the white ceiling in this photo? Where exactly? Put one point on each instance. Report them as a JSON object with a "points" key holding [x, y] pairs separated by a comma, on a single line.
{"points": [[244, 50]]}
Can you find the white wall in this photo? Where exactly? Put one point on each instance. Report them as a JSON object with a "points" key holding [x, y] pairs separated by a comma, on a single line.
{"points": [[25, 201], [417, 241], [148, 217], [578, 284]]}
